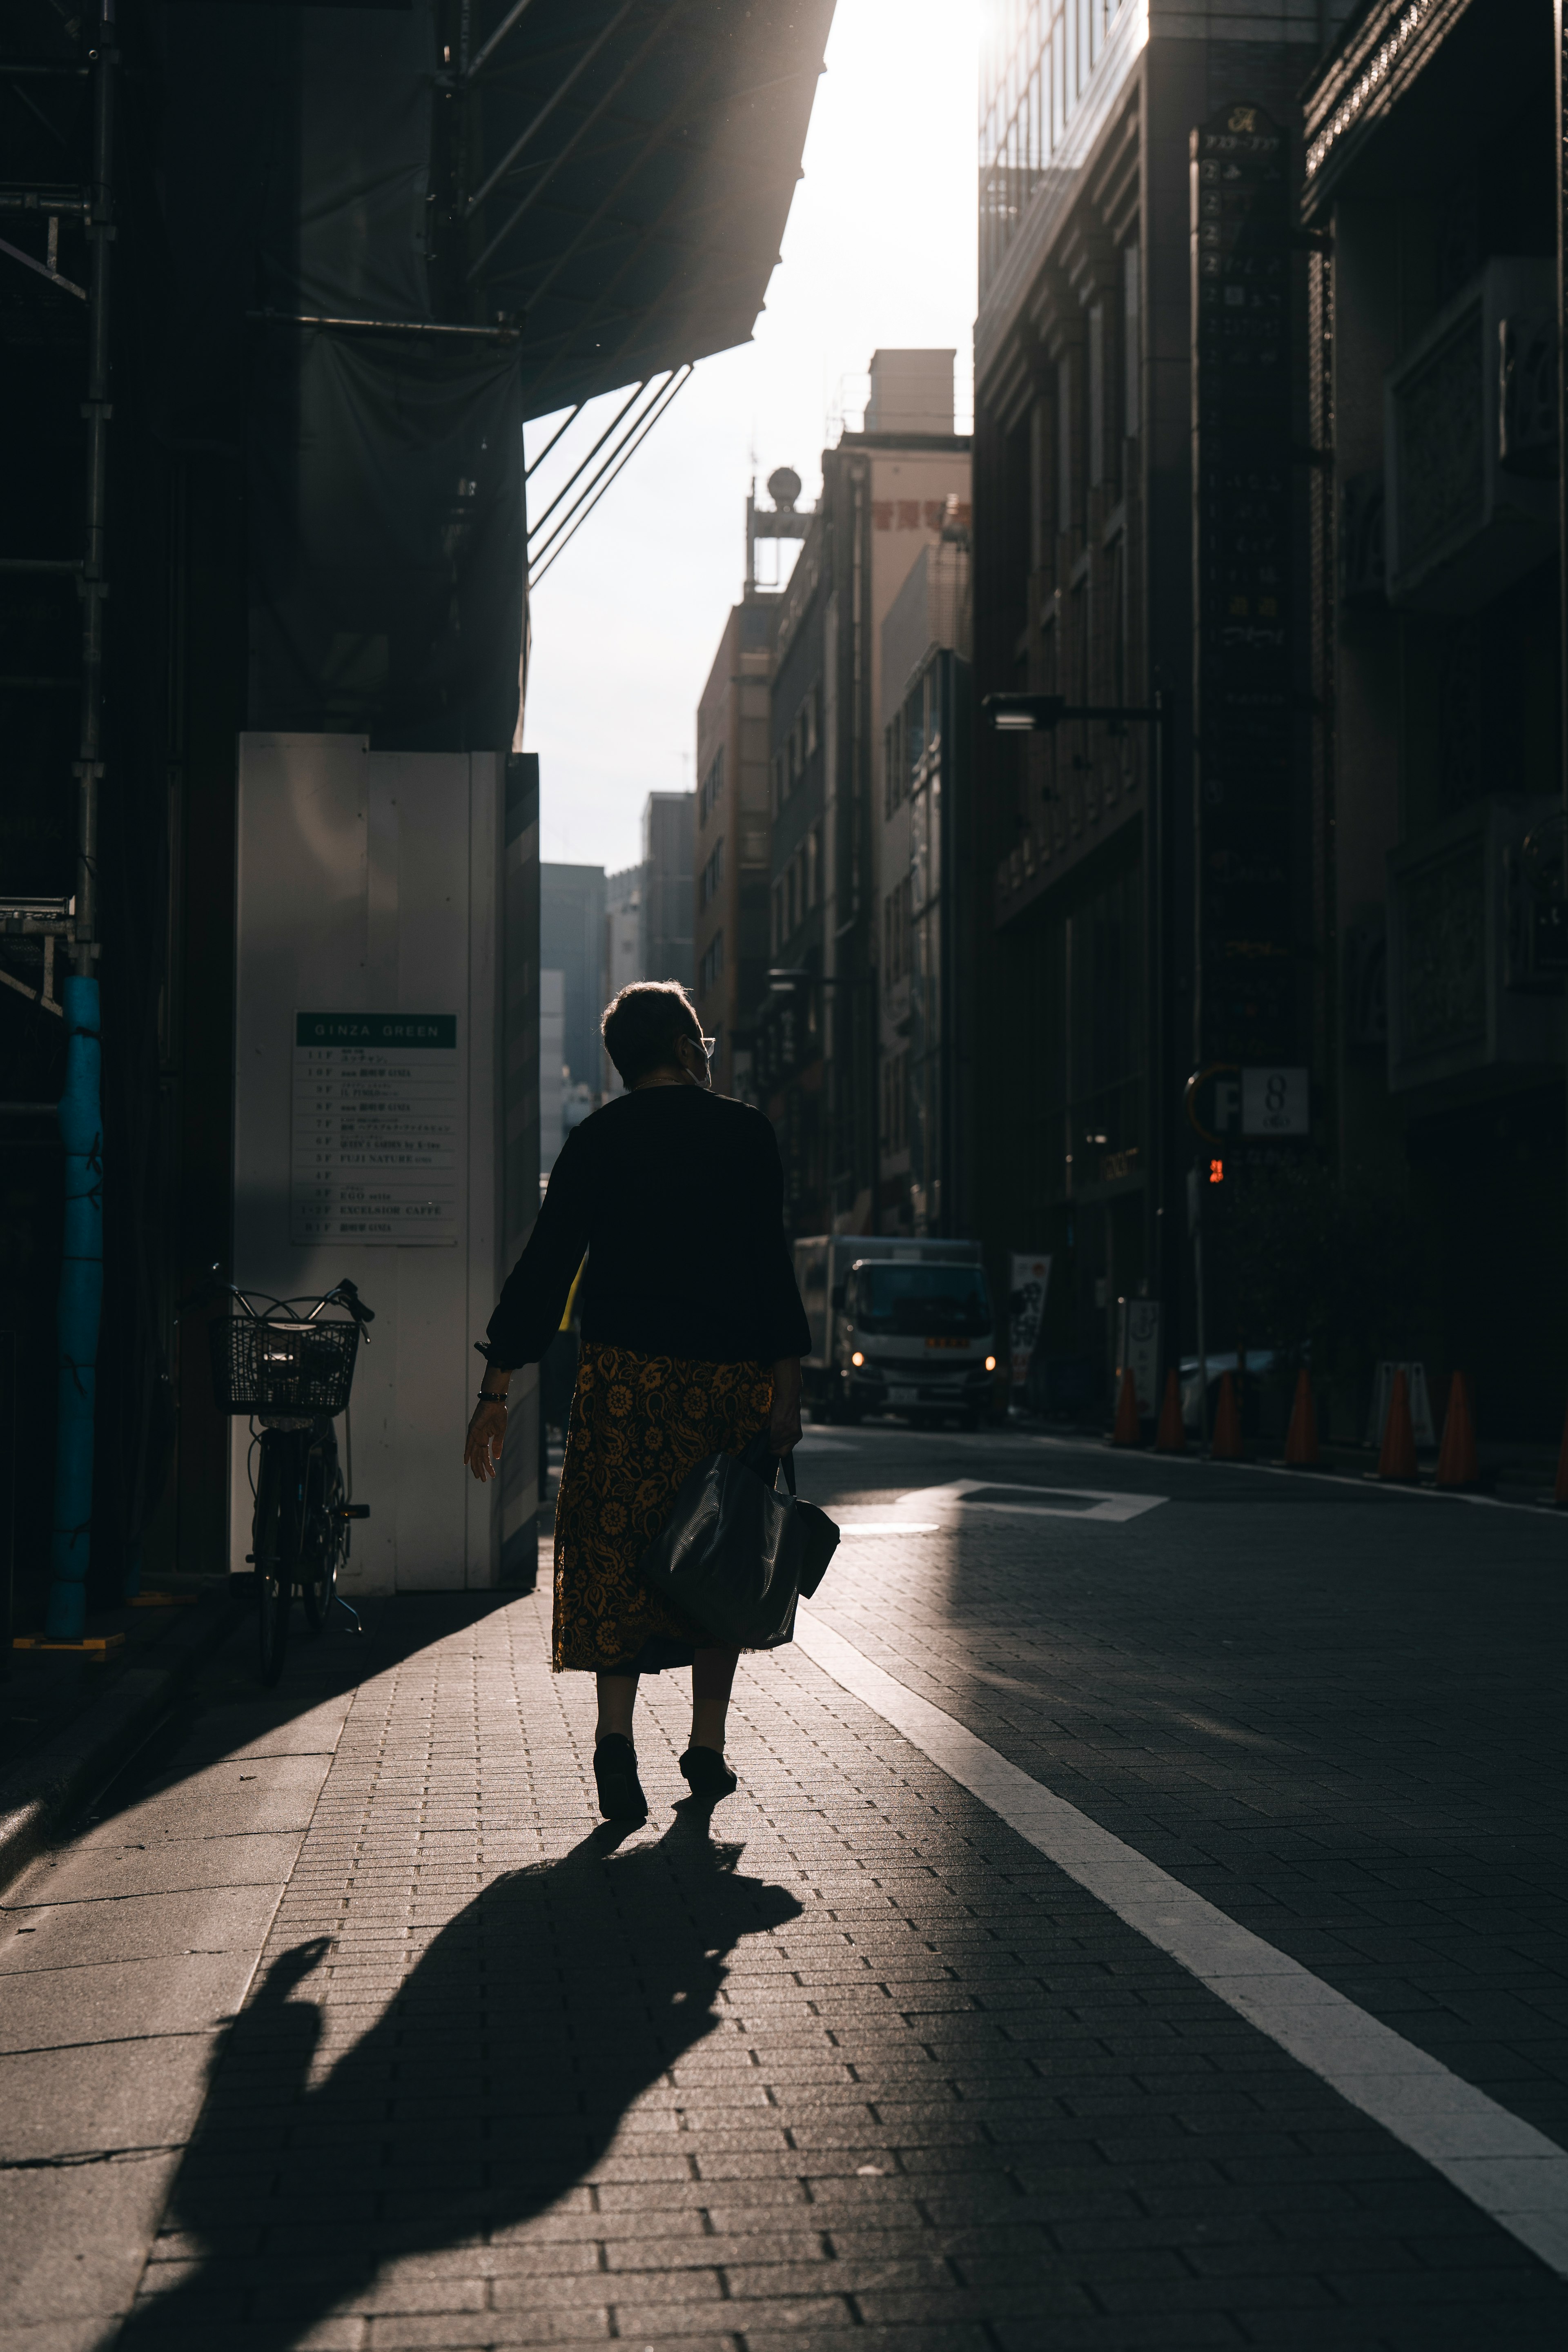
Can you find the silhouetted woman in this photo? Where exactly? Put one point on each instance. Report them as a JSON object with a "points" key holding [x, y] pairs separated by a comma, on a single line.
{"points": [[692, 1337]]}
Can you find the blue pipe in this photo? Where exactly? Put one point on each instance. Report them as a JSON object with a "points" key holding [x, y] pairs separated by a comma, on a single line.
{"points": [[78, 1313]]}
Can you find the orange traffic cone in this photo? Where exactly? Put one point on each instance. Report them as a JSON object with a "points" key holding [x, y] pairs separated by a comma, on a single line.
{"points": [[1560, 1492], [1126, 1430], [1398, 1459], [1226, 1445], [1172, 1433], [1456, 1463], [1302, 1439]]}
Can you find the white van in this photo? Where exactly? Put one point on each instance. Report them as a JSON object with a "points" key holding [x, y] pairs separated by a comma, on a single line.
{"points": [[897, 1326]]}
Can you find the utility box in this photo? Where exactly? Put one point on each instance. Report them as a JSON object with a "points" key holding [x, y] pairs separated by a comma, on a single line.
{"points": [[371, 951]]}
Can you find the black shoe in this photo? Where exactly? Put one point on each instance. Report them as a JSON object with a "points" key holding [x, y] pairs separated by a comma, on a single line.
{"points": [[616, 1770], [708, 1774]]}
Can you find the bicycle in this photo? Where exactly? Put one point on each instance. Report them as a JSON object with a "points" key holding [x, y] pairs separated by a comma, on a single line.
{"points": [[292, 1374]]}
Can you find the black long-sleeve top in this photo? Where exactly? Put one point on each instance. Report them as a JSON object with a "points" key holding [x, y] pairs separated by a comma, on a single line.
{"points": [[677, 1196]]}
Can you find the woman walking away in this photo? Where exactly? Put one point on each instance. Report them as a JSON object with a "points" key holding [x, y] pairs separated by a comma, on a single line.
{"points": [[692, 1337]]}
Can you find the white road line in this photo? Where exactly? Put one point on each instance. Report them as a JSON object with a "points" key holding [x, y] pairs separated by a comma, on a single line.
{"points": [[1505, 2166]]}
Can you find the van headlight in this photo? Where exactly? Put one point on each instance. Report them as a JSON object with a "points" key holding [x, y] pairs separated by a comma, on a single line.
{"points": [[991, 1363], [857, 1359]]}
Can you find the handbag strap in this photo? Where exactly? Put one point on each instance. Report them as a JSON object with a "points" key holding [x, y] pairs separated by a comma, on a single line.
{"points": [[789, 1469]]}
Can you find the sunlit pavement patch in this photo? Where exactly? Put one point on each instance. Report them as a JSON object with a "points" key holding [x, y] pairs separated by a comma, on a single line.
{"points": [[890, 1526], [983, 1495]]}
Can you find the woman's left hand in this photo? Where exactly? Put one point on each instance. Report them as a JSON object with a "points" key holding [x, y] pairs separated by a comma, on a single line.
{"points": [[486, 1435], [783, 1420]]}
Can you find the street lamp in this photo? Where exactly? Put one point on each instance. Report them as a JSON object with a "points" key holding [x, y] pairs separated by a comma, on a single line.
{"points": [[1031, 714]]}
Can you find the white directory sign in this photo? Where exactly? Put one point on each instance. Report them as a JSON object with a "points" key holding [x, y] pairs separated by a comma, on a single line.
{"points": [[376, 1117], [1276, 1102]]}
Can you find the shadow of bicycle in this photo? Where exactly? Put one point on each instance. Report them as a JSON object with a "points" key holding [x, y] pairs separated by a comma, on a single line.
{"points": [[493, 2082]]}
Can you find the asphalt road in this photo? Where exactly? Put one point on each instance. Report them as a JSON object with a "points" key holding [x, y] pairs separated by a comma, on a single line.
{"points": [[338, 2022]]}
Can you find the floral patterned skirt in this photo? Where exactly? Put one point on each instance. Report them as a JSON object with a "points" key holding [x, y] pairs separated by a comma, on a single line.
{"points": [[639, 1425]]}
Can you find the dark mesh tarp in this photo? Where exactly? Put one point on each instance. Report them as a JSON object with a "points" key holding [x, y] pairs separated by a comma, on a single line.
{"points": [[385, 482], [383, 470], [603, 198]]}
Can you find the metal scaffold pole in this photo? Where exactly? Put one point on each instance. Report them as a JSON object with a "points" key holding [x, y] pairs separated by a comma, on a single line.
{"points": [[1561, 127], [80, 1112]]}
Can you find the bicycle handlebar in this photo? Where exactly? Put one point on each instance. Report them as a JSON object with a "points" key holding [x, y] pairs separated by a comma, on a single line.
{"points": [[342, 1294]]}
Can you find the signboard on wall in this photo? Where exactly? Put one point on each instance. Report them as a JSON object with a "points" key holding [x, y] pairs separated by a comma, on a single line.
{"points": [[377, 1103], [1276, 1102], [1138, 1350]]}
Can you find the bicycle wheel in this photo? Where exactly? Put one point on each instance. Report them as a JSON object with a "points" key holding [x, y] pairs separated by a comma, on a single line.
{"points": [[276, 1545], [324, 1532]]}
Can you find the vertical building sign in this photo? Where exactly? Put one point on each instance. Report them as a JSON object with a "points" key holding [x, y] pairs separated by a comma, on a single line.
{"points": [[1244, 654]]}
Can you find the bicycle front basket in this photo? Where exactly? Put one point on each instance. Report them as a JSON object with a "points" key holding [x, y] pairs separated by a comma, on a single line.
{"points": [[284, 1368]]}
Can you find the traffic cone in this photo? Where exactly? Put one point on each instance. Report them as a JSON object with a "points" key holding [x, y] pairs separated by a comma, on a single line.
{"points": [[1172, 1433], [1398, 1459], [1226, 1445], [1560, 1492], [1456, 1463], [1126, 1430], [1302, 1439]]}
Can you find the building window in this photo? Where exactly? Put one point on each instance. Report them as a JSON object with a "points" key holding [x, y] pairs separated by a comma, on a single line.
{"points": [[1035, 62], [1131, 341], [711, 969], [813, 866], [898, 909], [1095, 394], [777, 930], [712, 873], [896, 1102], [711, 788]]}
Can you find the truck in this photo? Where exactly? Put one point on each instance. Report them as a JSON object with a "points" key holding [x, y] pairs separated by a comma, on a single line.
{"points": [[897, 1326]]}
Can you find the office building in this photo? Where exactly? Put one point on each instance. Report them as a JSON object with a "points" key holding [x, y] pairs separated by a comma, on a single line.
{"points": [[889, 492], [731, 854], [1129, 152], [622, 961], [571, 941], [667, 851], [1438, 915], [927, 717]]}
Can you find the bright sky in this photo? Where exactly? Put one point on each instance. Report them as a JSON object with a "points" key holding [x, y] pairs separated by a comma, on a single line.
{"points": [[879, 250]]}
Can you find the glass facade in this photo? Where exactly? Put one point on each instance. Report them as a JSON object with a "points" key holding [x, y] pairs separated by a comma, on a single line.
{"points": [[1035, 59]]}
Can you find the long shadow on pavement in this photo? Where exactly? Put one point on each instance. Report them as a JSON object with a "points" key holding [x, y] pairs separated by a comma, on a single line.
{"points": [[493, 2081]]}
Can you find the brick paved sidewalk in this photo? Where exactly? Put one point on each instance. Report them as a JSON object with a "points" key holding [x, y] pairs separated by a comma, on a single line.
{"points": [[848, 2062]]}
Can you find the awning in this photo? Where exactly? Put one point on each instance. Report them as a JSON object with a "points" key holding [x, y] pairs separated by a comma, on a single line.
{"points": [[614, 176]]}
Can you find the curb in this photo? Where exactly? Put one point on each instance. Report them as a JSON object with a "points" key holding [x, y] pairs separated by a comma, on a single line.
{"points": [[37, 1797]]}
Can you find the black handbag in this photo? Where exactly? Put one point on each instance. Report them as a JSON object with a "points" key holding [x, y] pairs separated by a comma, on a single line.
{"points": [[735, 1556]]}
